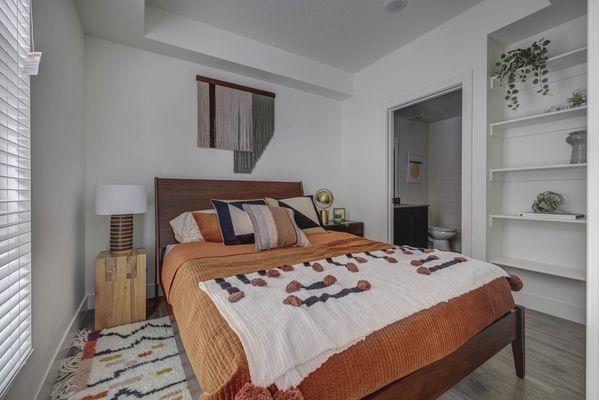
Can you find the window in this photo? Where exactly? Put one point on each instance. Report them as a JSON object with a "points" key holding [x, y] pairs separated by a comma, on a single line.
{"points": [[15, 191]]}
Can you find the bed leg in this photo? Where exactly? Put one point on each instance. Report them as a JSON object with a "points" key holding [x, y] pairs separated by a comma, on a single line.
{"points": [[518, 345]]}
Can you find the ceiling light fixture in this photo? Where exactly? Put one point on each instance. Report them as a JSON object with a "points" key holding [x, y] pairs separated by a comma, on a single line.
{"points": [[392, 6]]}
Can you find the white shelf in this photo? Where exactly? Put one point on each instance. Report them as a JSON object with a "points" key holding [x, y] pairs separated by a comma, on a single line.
{"points": [[578, 274], [535, 219], [556, 63], [498, 128], [534, 168]]}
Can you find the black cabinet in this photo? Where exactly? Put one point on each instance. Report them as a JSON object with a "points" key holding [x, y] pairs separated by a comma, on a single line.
{"points": [[410, 226]]}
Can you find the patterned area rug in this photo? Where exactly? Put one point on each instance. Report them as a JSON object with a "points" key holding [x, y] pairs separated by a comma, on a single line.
{"points": [[135, 361]]}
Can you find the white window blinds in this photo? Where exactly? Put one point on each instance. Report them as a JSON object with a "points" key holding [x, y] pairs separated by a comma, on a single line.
{"points": [[15, 191]]}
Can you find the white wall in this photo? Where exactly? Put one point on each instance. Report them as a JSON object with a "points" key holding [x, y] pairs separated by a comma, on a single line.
{"points": [[592, 369], [445, 175], [140, 117], [58, 190], [456, 47], [413, 138]]}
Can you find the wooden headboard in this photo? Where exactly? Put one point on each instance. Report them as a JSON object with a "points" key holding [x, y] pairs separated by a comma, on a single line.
{"points": [[175, 196]]}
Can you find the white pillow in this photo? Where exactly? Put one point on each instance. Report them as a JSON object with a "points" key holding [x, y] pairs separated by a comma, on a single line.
{"points": [[186, 229]]}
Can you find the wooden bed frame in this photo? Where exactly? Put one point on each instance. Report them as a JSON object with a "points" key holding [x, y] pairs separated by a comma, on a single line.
{"points": [[175, 196]]}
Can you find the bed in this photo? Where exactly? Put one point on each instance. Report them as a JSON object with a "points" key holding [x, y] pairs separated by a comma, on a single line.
{"points": [[418, 357]]}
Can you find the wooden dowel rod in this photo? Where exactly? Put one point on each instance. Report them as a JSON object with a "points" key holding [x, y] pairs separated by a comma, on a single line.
{"points": [[234, 86]]}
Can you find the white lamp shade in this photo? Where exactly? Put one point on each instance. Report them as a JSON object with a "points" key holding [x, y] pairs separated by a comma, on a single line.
{"points": [[120, 199]]}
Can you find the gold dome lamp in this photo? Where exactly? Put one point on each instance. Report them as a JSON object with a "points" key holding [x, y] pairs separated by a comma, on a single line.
{"points": [[324, 199]]}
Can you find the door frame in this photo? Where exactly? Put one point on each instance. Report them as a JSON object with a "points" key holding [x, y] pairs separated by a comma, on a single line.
{"points": [[592, 329], [463, 82]]}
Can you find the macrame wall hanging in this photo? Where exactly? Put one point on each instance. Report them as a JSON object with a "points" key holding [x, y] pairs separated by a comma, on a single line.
{"points": [[235, 117]]}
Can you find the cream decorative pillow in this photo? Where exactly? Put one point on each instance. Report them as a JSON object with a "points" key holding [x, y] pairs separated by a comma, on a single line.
{"points": [[186, 228], [274, 227], [304, 212]]}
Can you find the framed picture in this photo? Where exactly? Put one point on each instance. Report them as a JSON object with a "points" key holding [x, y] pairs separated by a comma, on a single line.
{"points": [[339, 215], [415, 168]]}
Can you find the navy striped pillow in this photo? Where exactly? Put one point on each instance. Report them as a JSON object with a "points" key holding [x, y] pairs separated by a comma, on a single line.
{"points": [[235, 224]]}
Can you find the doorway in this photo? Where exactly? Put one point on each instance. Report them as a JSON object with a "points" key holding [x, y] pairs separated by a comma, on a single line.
{"points": [[429, 167], [427, 173]]}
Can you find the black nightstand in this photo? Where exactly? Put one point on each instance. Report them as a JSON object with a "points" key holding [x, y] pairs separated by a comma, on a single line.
{"points": [[353, 227]]}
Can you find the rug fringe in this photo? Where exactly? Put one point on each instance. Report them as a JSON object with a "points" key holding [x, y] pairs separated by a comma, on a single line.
{"points": [[62, 388]]}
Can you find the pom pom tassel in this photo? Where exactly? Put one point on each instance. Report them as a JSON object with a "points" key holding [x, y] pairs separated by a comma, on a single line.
{"points": [[252, 392], [289, 394], [423, 271], [515, 283]]}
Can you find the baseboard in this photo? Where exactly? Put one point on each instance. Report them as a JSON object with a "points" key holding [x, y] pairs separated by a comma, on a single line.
{"points": [[43, 392], [561, 309], [91, 297]]}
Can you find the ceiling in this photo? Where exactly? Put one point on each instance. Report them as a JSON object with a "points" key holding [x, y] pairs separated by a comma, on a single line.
{"points": [[436, 109], [347, 34], [559, 12]]}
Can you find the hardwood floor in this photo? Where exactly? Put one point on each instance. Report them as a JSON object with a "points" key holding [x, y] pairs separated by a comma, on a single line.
{"points": [[555, 363], [555, 366]]}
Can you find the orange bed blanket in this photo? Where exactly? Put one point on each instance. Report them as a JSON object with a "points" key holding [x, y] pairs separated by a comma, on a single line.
{"points": [[218, 358]]}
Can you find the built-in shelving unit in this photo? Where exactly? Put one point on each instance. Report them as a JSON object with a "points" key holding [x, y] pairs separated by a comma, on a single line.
{"points": [[497, 171], [578, 274], [516, 217], [526, 154], [555, 63], [498, 128]]}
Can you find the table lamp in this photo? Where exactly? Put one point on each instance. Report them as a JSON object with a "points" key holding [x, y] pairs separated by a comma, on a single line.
{"points": [[121, 202], [324, 199]]}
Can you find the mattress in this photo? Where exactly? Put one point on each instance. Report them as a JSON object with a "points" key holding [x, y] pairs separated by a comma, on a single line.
{"points": [[216, 353]]}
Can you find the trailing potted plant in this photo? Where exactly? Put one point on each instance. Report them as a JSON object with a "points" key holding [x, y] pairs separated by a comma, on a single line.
{"points": [[520, 65]]}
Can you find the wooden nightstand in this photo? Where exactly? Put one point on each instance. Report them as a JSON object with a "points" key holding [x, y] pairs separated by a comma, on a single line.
{"points": [[353, 227], [120, 289]]}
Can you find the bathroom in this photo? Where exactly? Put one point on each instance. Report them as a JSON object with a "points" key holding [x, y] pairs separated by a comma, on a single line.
{"points": [[427, 172]]}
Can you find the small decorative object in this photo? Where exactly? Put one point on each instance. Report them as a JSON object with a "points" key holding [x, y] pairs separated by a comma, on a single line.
{"points": [[579, 98], [237, 118], [578, 141], [548, 202], [324, 199], [555, 108], [121, 202], [517, 66], [339, 215], [414, 168]]}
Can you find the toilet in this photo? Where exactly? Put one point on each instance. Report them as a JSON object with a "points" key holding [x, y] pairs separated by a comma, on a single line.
{"points": [[440, 237]]}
